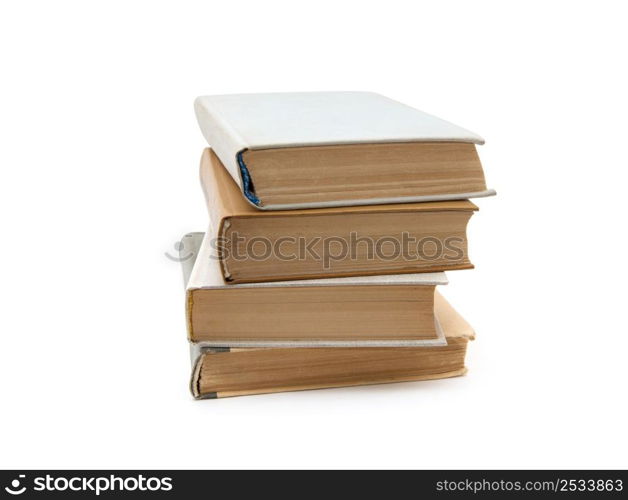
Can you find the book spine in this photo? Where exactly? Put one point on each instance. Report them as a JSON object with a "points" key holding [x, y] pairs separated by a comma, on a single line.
{"points": [[223, 139], [211, 191], [188, 251]]}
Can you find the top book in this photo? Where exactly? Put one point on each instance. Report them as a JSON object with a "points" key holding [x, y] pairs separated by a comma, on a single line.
{"points": [[326, 149]]}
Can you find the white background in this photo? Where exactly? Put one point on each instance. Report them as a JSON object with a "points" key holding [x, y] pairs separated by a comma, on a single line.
{"points": [[99, 163]]}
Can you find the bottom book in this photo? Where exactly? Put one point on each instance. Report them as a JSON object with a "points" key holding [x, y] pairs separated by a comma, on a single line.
{"points": [[220, 372], [224, 372]]}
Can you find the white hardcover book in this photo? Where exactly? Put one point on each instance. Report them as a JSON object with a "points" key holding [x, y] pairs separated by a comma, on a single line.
{"points": [[311, 149], [201, 272]]}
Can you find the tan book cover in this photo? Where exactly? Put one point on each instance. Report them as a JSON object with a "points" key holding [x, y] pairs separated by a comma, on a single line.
{"points": [[254, 245]]}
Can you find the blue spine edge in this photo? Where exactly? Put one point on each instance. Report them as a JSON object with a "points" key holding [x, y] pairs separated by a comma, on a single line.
{"points": [[247, 183]]}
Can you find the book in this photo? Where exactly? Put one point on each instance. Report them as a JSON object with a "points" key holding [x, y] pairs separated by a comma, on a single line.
{"points": [[364, 311], [325, 149], [254, 245], [219, 371]]}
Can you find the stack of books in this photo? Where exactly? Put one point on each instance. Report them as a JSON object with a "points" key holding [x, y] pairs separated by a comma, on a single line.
{"points": [[332, 218]]}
